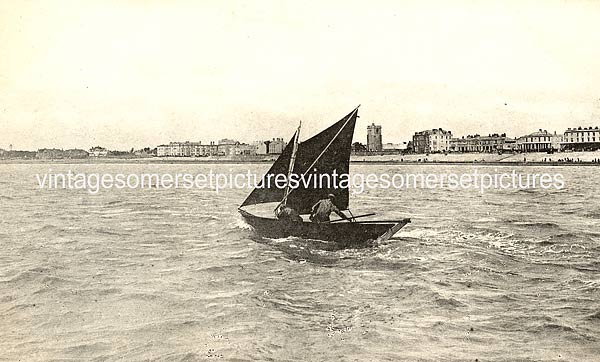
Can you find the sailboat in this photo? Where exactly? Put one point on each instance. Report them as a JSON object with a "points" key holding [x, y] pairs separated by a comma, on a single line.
{"points": [[322, 155]]}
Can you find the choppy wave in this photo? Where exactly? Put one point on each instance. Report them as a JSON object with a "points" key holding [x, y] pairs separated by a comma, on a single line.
{"points": [[180, 276]]}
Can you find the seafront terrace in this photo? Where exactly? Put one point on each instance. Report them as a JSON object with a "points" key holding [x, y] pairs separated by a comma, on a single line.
{"points": [[533, 157]]}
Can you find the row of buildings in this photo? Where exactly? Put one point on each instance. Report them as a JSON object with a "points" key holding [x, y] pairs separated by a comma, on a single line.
{"points": [[58, 153], [94, 152], [427, 141], [576, 139], [76, 153], [224, 147]]}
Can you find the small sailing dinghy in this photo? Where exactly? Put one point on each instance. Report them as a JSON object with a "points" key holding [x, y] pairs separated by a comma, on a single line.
{"points": [[321, 156]]}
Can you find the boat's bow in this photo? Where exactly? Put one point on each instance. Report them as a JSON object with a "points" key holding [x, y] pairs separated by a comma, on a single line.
{"points": [[392, 231]]}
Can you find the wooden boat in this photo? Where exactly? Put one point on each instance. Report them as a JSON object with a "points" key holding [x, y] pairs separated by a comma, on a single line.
{"points": [[347, 234], [326, 153]]}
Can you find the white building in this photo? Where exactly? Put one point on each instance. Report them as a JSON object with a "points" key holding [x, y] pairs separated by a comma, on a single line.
{"points": [[581, 139], [98, 152], [197, 149], [261, 147], [276, 146], [185, 149], [476, 143], [432, 140], [540, 141]]}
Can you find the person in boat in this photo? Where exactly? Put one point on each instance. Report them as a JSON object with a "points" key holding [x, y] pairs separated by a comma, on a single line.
{"points": [[323, 208], [286, 213]]}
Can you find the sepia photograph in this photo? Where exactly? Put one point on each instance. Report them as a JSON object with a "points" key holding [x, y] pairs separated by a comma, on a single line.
{"points": [[279, 180]]}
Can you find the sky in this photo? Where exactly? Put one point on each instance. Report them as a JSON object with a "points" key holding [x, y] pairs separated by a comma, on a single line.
{"points": [[125, 74]]}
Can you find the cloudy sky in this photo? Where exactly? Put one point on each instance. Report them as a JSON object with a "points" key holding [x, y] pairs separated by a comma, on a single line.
{"points": [[139, 73]]}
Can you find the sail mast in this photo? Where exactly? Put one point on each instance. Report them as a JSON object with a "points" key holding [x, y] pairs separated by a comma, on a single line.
{"points": [[292, 161]]}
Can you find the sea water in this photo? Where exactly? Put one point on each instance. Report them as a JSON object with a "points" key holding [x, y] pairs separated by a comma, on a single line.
{"points": [[176, 275]]}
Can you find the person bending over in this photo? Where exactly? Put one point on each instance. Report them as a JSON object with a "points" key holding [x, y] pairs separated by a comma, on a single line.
{"points": [[323, 208]]}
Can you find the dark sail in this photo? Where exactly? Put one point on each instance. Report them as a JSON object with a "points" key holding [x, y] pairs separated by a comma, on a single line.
{"points": [[262, 194], [331, 150], [318, 158]]}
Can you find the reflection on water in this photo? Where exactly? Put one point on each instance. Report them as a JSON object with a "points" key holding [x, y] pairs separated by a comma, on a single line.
{"points": [[176, 275]]}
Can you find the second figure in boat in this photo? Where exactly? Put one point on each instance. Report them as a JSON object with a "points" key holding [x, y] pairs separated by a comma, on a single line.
{"points": [[286, 213], [323, 208]]}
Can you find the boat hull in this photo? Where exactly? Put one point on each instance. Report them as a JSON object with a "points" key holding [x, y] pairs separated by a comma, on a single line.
{"points": [[346, 234]]}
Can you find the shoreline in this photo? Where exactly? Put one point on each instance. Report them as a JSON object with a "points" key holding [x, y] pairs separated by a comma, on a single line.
{"points": [[242, 162], [580, 158]]}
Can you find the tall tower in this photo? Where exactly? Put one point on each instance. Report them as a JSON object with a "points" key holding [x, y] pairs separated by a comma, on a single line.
{"points": [[374, 143]]}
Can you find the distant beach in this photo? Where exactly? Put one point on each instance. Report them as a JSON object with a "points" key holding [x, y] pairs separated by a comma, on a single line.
{"points": [[538, 158], [559, 158]]}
